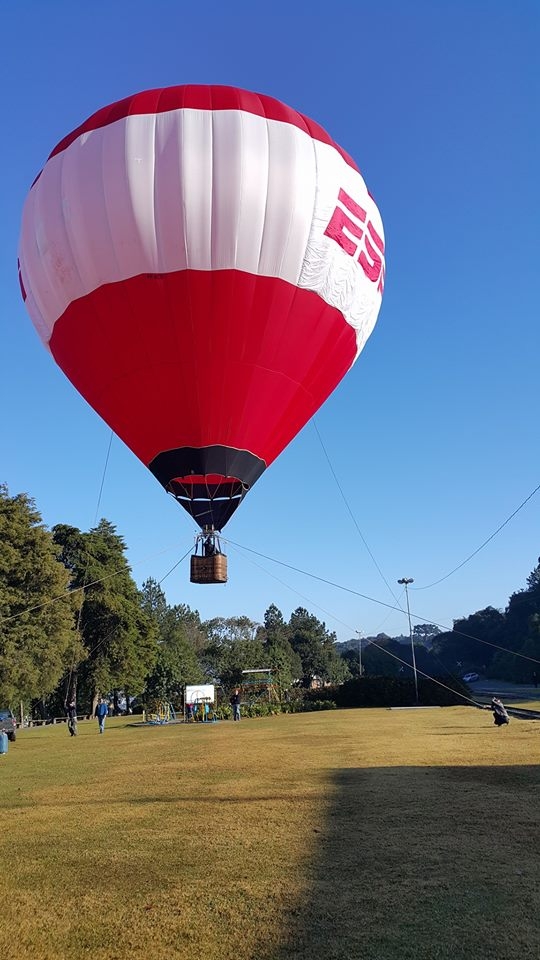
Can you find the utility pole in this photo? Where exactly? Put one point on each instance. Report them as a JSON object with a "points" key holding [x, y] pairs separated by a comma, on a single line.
{"points": [[405, 581]]}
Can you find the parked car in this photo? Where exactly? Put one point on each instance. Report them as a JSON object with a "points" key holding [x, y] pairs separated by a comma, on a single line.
{"points": [[471, 677], [8, 724]]}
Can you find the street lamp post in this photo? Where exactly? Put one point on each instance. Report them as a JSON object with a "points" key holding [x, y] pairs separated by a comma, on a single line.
{"points": [[359, 652], [405, 581]]}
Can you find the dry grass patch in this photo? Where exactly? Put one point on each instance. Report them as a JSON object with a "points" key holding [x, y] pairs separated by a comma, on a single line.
{"points": [[356, 834]]}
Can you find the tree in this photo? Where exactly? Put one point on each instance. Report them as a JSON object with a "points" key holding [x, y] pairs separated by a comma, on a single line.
{"points": [[425, 632], [177, 663], [533, 580], [315, 645], [119, 636], [233, 646], [469, 645], [278, 652], [37, 639], [378, 663]]}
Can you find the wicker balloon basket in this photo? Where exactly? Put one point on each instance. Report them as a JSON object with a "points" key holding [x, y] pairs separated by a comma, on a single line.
{"points": [[209, 569]]}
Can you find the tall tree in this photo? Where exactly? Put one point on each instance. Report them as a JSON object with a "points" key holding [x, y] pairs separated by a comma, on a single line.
{"points": [[233, 646], [278, 652], [37, 639], [315, 645], [520, 636], [119, 636], [469, 645], [176, 664], [380, 658]]}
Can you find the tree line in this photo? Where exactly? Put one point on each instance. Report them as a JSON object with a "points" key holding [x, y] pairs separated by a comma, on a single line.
{"points": [[73, 623]]}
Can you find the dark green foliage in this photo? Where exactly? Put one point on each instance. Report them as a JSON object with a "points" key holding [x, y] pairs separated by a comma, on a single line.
{"points": [[119, 636], [253, 710], [469, 645], [233, 645], [176, 664], [37, 639], [106, 636], [278, 652], [394, 692], [425, 633], [315, 645]]}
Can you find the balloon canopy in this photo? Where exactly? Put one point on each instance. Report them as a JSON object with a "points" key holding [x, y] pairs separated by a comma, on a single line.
{"points": [[205, 264]]}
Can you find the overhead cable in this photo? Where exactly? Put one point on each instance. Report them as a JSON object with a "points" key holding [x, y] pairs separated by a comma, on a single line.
{"points": [[382, 603], [351, 514], [482, 545]]}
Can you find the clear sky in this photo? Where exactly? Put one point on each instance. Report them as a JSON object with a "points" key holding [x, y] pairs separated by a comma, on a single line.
{"points": [[433, 435]]}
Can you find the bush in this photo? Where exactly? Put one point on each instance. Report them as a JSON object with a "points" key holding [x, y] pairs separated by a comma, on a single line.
{"points": [[264, 709], [395, 692]]}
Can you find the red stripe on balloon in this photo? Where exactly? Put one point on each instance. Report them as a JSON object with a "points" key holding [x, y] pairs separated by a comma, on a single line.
{"points": [[199, 97], [196, 358]]}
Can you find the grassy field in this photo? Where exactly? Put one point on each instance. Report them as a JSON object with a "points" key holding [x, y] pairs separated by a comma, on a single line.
{"points": [[350, 835]]}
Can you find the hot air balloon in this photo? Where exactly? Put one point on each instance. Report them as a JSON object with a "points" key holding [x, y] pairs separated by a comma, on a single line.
{"points": [[205, 264]]}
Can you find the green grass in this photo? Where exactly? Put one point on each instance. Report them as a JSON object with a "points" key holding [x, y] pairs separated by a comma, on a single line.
{"points": [[348, 835]]}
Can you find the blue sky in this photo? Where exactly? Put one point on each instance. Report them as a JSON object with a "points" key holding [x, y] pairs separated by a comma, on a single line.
{"points": [[433, 435]]}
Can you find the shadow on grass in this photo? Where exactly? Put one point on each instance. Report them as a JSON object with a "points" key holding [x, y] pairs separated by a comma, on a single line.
{"points": [[420, 863]]}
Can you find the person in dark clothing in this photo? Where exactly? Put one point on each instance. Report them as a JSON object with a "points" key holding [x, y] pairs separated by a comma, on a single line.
{"points": [[235, 703], [210, 547], [500, 716], [71, 710]]}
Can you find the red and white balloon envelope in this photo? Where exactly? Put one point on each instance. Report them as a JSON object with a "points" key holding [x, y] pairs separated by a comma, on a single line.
{"points": [[205, 264]]}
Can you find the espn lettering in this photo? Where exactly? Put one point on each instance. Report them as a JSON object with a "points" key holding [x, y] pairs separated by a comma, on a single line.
{"points": [[370, 254]]}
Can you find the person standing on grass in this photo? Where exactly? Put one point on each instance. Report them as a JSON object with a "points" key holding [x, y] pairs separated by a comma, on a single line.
{"points": [[101, 712], [71, 710], [235, 703]]}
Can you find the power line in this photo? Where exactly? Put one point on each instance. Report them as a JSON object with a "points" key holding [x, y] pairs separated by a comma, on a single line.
{"points": [[177, 564], [371, 642], [351, 514], [482, 545], [79, 612], [103, 477], [93, 583], [292, 589], [382, 603]]}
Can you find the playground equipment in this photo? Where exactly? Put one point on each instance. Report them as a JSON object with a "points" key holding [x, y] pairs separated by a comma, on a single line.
{"points": [[259, 686], [199, 703], [163, 713]]}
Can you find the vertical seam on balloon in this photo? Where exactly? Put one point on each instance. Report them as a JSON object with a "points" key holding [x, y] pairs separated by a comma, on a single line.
{"points": [[261, 241], [233, 272], [152, 197], [213, 226], [287, 236], [316, 165], [214, 241], [73, 246], [66, 227], [189, 305], [43, 260], [158, 115], [105, 204], [125, 289], [256, 279], [30, 287], [231, 275]]}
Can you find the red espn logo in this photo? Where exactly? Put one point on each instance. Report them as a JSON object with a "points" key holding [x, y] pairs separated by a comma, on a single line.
{"points": [[370, 259]]}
